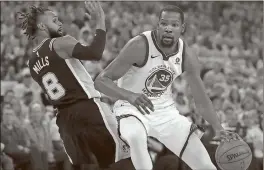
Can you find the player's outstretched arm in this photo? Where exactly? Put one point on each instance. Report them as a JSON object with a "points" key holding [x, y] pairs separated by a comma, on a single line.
{"points": [[201, 99], [68, 47], [133, 53]]}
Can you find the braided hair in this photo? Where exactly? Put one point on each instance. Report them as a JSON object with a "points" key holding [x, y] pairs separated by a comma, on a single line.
{"points": [[29, 20]]}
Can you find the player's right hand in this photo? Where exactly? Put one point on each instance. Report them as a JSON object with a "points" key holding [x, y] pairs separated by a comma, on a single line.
{"points": [[141, 102], [94, 10], [226, 136]]}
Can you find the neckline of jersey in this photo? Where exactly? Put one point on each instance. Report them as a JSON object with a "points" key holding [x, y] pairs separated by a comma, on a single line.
{"points": [[42, 42], [165, 57]]}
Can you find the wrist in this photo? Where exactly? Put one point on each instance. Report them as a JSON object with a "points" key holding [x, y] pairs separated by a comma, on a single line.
{"points": [[101, 24], [126, 95]]}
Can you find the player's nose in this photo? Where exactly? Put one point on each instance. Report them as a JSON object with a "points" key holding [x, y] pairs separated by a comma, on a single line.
{"points": [[168, 29]]}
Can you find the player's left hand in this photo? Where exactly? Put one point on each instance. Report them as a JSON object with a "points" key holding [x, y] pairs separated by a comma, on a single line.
{"points": [[226, 136]]}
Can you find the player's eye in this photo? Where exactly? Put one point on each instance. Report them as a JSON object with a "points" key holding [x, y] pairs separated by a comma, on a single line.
{"points": [[163, 24], [55, 20], [175, 25]]}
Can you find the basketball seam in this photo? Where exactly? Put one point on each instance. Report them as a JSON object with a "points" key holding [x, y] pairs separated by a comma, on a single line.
{"points": [[229, 150]]}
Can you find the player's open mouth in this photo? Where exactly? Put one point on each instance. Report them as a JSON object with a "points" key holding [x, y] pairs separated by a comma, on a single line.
{"points": [[60, 30], [167, 37]]}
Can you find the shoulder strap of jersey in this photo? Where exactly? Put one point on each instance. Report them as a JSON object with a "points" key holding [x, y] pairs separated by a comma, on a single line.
{"points": [[40, 45], [51, 44]]}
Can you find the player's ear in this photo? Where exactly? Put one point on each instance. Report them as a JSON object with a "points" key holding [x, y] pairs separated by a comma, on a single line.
{"points": [[183, 28], [41, 26]]}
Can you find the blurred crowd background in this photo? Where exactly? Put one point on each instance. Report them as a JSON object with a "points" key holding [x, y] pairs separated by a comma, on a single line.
{"points": [[227, 37]]}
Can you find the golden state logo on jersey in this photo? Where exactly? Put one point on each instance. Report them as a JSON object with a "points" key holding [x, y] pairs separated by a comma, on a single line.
{"points": [[158, 81]]}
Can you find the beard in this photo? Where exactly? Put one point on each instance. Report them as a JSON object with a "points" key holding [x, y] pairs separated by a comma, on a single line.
{"points": [[165, 43], [55, 34]]}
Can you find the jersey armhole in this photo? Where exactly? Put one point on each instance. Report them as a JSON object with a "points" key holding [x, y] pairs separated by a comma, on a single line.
{"points": [[146, 55], [51, 47], [51, 44], [183, 56]]}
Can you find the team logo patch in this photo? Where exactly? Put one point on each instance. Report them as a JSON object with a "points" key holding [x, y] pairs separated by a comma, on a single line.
{"points": [[157, 82], [177, 61]]}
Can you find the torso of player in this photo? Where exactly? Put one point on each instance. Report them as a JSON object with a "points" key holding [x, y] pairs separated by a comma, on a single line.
{"points": [[155, 78], [64, 81]]}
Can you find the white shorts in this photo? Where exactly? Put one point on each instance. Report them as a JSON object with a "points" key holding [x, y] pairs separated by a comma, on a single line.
{"points": [[164, 124]]}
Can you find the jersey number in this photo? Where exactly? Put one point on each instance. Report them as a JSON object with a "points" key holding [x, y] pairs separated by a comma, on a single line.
{"points": [[164, 78], [53, 88]]}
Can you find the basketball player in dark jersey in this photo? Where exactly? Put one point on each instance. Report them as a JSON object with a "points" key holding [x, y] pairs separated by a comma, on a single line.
{"points": [[55, 65]]}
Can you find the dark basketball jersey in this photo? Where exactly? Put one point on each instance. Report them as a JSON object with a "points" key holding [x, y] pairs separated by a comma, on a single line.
{"points": [[64, 81]]}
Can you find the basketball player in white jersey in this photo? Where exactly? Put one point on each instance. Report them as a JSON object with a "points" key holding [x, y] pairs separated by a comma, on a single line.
{"points": [[146, 67]]}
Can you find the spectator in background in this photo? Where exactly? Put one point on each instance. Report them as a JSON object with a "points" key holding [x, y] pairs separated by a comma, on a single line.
{"points": [[39, 136], [6, 161], [25, 104], [85, 35], [254, 136], [182, 103], [25, 85], [233, 99], [37, 129], [9, 96], [217, 103], [216, 75], [14, 138], [248, 104], [11, 74]]}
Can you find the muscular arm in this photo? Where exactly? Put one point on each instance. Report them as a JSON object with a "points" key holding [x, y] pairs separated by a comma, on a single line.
{"points": [[202, 101], [132, 53], [67, 47]]}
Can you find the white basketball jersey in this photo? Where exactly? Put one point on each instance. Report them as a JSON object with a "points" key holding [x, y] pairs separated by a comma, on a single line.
{"points": [[155, 78]]}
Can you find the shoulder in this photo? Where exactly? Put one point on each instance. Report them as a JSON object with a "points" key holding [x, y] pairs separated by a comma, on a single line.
{"points": [[134, 50], [64, 46], [63, 41], [138, 41]]}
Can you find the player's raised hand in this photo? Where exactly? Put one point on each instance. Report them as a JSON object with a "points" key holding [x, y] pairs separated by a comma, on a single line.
{"points": [[141, 102], [94, 10]]}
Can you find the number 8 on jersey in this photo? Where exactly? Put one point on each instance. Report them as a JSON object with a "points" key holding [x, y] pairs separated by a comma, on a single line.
{"points": [[53, 88]]}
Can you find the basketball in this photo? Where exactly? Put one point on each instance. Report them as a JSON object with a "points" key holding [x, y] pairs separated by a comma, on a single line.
{"points": [[233, 155]]}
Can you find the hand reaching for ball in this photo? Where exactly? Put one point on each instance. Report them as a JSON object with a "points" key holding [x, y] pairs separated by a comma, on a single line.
{"points": [[226, 136]]}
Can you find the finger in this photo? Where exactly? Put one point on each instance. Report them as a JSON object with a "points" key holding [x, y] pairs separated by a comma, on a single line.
{"points": [[89, 6], [224, 138], [98, 3], [142, 105], [149, 103], [145, 103], [139, 108], [88, 16], [94, 5], [145, 108]]}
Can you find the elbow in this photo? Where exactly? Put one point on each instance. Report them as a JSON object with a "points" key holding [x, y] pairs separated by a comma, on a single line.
{"points": [[96, 54], [97, 57]]}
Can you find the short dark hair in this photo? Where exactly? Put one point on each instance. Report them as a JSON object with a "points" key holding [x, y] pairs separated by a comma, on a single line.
{"points": [[172, 8], [29, 20]]}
